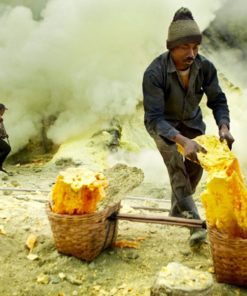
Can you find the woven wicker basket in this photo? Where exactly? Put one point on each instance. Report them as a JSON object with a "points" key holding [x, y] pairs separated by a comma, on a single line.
{"points": [[229, 257], [83, 236]]}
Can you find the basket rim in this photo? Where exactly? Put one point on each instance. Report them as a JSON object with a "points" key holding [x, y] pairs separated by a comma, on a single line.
{"points": [[215, 231], [88, 215]]}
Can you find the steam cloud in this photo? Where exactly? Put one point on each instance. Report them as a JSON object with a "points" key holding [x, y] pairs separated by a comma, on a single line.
{"points": [[83, 61], [228, 51]]}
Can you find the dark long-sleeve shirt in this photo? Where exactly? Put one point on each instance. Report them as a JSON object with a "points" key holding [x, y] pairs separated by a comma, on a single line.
{"points": [[167, 104]]}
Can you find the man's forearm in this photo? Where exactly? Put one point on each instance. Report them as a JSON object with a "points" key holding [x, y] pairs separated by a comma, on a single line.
{"points": [[224, 126]]}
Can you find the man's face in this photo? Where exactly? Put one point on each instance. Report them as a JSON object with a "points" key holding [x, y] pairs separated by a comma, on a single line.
{"points": [[184, 55], [2, 112]]}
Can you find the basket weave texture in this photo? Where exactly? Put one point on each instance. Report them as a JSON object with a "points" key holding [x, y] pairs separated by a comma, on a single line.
{"points": [[229, 257], [83, 236]]}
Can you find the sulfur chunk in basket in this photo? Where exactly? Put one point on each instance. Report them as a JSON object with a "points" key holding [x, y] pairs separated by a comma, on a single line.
{"points": [[77, 191]]}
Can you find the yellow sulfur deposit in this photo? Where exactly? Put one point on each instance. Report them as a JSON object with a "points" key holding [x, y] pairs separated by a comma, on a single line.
{"points": [[77, 191], [225, 196]]}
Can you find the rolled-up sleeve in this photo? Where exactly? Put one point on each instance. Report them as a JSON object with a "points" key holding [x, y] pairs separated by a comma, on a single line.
{"points": [[216, 98], [154, 106]]}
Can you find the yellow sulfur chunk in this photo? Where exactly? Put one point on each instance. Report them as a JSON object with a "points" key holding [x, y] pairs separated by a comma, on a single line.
{"points": [[219, 158], [225, 196], [31, 241], [77, 191]]}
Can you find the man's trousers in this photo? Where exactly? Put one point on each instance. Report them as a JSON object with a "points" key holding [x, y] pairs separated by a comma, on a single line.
{"points": [[4, 151], [184, 175]]}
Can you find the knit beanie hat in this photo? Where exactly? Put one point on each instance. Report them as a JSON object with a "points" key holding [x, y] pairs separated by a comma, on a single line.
{"points": [[183, 29]]}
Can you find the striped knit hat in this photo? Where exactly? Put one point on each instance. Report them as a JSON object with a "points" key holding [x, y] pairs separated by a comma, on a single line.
{"points": [[183, 29]]}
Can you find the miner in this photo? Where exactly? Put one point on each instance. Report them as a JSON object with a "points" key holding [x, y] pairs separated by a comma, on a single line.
{"points": [[4, 143], [173, 86]]}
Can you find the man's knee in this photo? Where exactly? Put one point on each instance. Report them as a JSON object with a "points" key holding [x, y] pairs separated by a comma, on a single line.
{"points": [[166, 149], [8, 149], [5, 148]]}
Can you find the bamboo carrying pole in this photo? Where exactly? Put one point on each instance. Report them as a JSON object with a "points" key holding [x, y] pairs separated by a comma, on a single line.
{"points": [[157, 219]]}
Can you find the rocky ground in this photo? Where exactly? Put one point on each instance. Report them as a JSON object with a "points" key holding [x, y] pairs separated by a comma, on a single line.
{"points": [[116, 271]]}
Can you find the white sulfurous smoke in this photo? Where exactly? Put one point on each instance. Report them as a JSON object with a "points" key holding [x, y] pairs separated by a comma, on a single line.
{"points": [[226, 46], [82, 61]]}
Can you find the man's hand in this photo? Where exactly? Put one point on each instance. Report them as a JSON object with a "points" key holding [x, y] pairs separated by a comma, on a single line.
{"points": [[225, 134], [191, 148]]}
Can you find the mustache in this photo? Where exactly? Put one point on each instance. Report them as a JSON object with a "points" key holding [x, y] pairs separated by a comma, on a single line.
{"points": [[189, 59]]}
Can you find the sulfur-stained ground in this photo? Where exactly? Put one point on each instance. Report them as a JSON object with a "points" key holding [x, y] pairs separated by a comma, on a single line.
{"points": [[116, 271]]}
